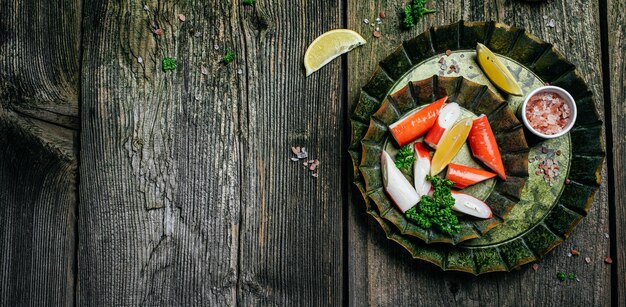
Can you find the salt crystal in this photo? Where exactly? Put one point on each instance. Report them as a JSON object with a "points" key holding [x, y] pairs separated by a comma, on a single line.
{"points": [[551, 23], [139, 60], [366, 21], [294, 159]]}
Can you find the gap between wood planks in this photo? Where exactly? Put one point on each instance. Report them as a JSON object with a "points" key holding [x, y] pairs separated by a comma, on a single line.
{"points": [[346, 164], [608, 135]]}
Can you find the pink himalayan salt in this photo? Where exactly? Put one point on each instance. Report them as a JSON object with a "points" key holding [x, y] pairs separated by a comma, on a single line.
{"points": [[548, 113]]}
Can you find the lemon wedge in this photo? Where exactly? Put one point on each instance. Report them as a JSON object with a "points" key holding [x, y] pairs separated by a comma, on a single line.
{"points": [[328, 46], [450, 145], [495, 70]]}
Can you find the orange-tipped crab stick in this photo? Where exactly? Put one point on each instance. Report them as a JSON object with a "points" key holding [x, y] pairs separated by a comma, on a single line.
{"points": [[484, 146], [470, 205], [416, 123], [397, 186], [421, 169], [447, 117], [465, 176]]}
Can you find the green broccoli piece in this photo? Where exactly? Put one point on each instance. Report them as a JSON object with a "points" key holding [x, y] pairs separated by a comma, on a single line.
{"points": [[229, 56], [168, 64]]}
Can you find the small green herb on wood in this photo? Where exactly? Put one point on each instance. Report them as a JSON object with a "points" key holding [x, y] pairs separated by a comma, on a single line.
{"points": [[249, 2], [229, 56], [168, 64], [414, 11]]}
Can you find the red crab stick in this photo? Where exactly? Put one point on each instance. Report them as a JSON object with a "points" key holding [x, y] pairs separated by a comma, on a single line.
{"points": [[397, 186], [447, 117], [465, 176], [484, 146], [416, 123], [470, 205], [421, 169]]}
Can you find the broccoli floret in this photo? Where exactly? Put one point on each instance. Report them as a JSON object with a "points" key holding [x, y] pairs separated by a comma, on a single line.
{"points": [[436, 210]]}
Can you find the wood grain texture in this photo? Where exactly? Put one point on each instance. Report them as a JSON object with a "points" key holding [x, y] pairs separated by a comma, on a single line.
{"points": [[617, 74], [382, 273], [188, 194], [292, 223], [160, 163], [39, 82]]}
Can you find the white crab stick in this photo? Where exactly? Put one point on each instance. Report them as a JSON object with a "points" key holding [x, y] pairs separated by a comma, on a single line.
{"points": [[421, 169], [449, 114], [397, 186], [470, 205]]}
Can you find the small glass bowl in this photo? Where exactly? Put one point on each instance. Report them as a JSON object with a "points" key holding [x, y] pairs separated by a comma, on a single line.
{"points": [[568, 99]]}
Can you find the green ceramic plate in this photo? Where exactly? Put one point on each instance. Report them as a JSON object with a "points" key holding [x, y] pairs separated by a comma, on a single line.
{"points": [[474, 99], [545, 211]]}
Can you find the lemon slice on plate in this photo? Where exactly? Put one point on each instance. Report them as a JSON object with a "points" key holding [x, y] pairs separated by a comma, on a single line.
{"points": [[495, 70], [328, 46]]}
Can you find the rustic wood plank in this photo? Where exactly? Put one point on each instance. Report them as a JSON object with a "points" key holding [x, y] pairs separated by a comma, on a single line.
{"points": [[291, 241], [617, 74], [189, 195], [160, 161], [39, 85], [381, 273]]}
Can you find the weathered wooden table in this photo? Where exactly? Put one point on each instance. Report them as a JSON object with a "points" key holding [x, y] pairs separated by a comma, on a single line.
{"points": [[121, 184]]}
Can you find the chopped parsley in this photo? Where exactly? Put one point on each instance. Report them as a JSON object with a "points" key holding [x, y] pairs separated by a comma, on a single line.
{"points": [[436, 211], [405, 158], [413, 11], [229, 56], [249, 2], [168, 64], [561, 276]]}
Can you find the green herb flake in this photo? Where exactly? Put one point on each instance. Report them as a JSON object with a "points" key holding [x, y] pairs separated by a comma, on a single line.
{"points": [[405, 158], [561, 276], [229, 56], [414, 11], [436, 210], [168, 64], [249, 2], [571, 276]]}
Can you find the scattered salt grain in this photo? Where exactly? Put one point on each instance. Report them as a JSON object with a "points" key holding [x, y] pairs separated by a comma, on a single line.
{"points": [[204, 70], [181, 17], [139, 60], [381, 14], [239, 71], [294, 159], [608, 260], [545, 17], [216, 47], [366, 21], [587, 260], [146, 7], [551, 23], [158, 32], [377, 34], [314, 175]]}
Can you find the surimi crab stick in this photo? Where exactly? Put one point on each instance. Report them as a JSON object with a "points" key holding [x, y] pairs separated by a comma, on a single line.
{"points": [[470, 205], [421, 168], [447, 117], [416, 123], [397, 186], [484, 146], [465, 176]]}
